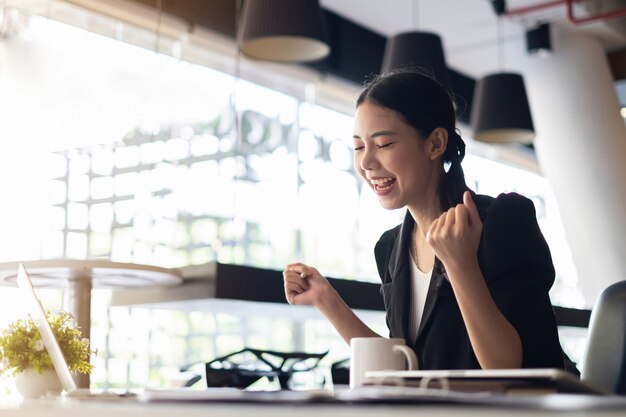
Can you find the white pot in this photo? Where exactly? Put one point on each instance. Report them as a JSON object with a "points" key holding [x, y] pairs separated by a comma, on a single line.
{"points": [[32, 384]]}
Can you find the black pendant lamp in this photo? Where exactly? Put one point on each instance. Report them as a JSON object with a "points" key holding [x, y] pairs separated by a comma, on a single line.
{"points": [[283, 30], [500, 110], [417, 49]]}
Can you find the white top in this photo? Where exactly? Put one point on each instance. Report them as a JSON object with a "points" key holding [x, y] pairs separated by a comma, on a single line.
{"points": [[419, 289]]}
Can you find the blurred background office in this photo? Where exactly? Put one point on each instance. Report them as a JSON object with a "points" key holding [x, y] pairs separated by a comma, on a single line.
{"points": [[134, 130]]}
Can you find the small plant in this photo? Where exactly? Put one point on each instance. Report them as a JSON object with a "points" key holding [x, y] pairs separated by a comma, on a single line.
{"points": [[21, 346]]}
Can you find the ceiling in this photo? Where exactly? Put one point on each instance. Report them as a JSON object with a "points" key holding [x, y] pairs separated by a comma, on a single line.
{"points": [[469, 28], [471, 34]]}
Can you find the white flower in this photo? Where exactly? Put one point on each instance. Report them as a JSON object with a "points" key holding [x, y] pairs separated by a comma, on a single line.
{"points": [[4, 363], [39, 345]]}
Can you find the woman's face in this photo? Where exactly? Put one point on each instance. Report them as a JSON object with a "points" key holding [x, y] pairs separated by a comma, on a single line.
{"points": [[394, 161]]}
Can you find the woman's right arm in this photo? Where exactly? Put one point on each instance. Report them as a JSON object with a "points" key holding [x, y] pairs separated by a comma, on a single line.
{"points": [[316, 291]]}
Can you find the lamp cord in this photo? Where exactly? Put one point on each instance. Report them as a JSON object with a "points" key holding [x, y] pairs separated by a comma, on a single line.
{"points": [[415, 14], [500, 44], [237, 72], [233, 103]]}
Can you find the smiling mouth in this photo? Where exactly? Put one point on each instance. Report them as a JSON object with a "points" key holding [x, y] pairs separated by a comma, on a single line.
{"points": [[381, 184]]}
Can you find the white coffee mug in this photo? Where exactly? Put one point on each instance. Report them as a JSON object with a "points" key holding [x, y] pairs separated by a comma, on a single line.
{"points": [[378, 354]]}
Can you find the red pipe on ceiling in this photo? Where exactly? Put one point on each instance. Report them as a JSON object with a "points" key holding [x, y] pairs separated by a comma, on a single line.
{"points": [[570, 11], [600, 16]]}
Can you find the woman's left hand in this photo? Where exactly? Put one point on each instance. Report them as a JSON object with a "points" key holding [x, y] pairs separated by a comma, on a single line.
{"points": [[455, 235]]}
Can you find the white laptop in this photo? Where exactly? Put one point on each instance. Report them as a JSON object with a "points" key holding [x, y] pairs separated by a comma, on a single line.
{"points": [[51, 344], [520, 381]]}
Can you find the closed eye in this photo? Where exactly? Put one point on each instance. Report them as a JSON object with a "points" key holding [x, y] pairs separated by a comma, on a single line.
{"points": [[386, 145], [359, 148]]}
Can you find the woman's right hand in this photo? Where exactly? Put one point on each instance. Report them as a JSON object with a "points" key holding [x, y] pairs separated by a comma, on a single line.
{"points": [[304, 285]]}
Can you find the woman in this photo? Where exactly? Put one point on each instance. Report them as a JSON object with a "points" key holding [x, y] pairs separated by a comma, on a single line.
{"points": [[465, 277]]}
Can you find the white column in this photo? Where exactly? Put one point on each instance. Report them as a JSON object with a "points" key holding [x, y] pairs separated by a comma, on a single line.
{"points": [[581, 147]]}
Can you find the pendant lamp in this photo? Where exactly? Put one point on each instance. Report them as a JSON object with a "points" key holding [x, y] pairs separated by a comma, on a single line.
{"points": [[283, 30], [500, 110], [417, 49]]}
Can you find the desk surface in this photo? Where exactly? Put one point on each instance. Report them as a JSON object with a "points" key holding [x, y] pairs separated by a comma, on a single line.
{"points": [[92, 408]]}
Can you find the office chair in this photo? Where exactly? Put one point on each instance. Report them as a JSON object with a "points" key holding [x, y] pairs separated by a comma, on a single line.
{"points": [[605, 357]]}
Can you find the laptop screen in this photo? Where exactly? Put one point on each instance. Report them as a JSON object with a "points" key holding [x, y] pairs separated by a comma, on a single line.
{"points": [[38, 316]]}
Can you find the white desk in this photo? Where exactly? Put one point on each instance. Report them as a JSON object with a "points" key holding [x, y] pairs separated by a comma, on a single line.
{"points": [[81, 276], [73, 408]]}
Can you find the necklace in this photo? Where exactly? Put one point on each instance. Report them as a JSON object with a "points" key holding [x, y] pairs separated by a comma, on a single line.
{"points": [[413, 250]]}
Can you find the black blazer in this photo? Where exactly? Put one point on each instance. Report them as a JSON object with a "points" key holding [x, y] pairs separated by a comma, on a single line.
{"points": [[516, 263]]}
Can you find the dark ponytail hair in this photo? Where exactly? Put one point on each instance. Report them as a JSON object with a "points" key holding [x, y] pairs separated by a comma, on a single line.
{"points": [[426, 105]]}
